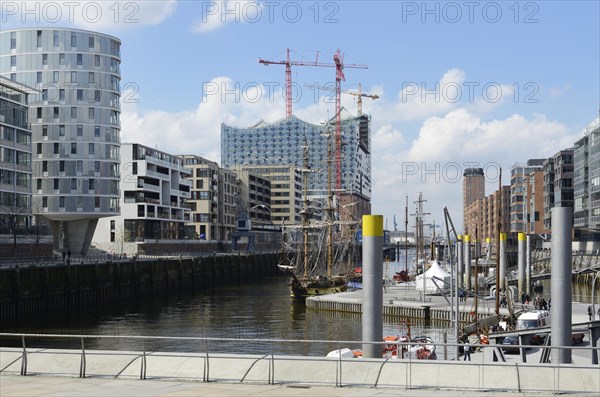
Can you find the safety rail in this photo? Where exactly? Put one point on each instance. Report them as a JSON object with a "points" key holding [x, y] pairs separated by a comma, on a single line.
{"points": [[488, 371]]}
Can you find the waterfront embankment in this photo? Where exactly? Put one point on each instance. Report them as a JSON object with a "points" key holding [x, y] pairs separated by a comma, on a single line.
{"points": [[35, 290]]}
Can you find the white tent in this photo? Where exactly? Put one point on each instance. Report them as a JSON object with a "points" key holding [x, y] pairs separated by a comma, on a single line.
{"points": [[435, 272]]}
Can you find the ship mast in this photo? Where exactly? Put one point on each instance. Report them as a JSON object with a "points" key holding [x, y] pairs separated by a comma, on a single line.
{"points": [[329, 208], [305, 211]]}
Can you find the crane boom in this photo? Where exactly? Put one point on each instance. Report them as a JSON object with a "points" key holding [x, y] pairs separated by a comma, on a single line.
{"points": [[358, 94], [288, 73]]}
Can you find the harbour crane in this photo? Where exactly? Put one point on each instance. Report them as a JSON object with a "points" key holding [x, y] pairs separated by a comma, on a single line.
{"points": [[358, 94], [338, 63]]}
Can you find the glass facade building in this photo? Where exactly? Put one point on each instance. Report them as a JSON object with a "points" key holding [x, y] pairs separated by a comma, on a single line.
{"points": [[281, 143], [74, 122], [15, 157]]}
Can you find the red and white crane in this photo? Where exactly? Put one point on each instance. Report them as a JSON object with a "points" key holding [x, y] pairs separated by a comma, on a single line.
{"points": [[338, 63]]}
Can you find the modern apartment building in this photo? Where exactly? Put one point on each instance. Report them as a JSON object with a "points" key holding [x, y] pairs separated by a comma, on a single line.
{"points": [[586, 182], [534, 203], [281, 143], [518, 201], [74, 122], [558, 183], [212, 200], [286, 190], [581, 187], [155, 189], [15, 157], [483, 214], [473, 190]]}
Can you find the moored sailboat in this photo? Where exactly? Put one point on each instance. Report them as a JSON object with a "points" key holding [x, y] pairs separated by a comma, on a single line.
{"points": [[314, 270]]}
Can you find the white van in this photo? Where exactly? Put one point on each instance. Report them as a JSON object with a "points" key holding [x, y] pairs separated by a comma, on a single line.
{"points": [[533, 319]]}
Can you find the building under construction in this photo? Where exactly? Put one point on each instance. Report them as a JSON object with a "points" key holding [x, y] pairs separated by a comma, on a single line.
{"points": [[281, 143]]}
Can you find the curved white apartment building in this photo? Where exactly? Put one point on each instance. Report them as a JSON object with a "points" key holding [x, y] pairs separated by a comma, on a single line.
{"points": [[74, 122]]}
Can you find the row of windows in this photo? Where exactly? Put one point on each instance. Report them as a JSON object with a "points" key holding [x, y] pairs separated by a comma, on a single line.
{"points": [[59, 148], [56, 40], [57, 112]]}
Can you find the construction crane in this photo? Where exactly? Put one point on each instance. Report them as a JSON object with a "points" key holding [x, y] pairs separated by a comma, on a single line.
{"points": [[358, 94], [338, 63]]}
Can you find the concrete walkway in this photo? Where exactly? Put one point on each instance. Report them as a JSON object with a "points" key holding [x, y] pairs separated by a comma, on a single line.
{"points": [[13, 386]]}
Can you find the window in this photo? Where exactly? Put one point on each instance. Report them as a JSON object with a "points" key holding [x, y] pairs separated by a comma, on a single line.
{"points": [[38, 184], [73, 112], [45, 59], [55, 77], [73, 184], [91, 42], [79, 166], [91, 77], [61, 94], [44, 166], [44, 131], [13, 60], [13, 76], [44, 202], [79, 130], [13, 40], [39, 38], [38, 77], [73, 77], [44, 94], [55, 38], [56, 112], [61, 130], [73, 40], [96, 202], [80, 95], [91, 113], [61, 202], [79, 59], [97, 167], [97, 131], [55, 148], [55, 184], [61, 59], [97, 95], [61, 166], [39, 148], [73, 148], [96, 60], [91, 148], [91, 184], [39, 113]]}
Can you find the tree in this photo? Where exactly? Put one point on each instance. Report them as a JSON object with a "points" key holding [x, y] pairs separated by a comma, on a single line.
{"points": [[13, 216]]}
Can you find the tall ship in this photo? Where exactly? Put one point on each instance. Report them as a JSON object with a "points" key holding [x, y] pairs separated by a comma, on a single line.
{"points": [[318, 252]]}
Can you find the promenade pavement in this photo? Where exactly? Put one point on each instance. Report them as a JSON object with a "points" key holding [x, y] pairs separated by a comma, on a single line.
{"points": [[18, 386]]}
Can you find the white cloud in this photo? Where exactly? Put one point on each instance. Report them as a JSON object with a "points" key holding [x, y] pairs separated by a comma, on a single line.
{"points": [[198, 131], [431, 162], [111, 15], [216, 14], [445, 146]]}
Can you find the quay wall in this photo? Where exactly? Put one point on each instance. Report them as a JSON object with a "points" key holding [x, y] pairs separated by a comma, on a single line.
{"points": [[396, 308], [35, 290]]}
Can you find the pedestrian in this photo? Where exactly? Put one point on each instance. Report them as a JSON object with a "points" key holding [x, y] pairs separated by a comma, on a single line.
{"points": [[64, 255], [590, 312], [523, 298], [467, 351]]}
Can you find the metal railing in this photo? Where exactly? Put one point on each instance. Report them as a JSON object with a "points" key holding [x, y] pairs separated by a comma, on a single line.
{"points": [[488, 370]]}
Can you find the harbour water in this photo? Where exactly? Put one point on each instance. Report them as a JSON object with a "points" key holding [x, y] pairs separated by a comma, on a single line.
{"points": [[245, 312]]}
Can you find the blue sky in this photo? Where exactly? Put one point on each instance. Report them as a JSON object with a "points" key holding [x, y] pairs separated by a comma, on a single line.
{"points": [[539, 61]]}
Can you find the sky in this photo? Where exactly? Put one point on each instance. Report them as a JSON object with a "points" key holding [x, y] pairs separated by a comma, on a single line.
{"points": [[460, 84]]}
